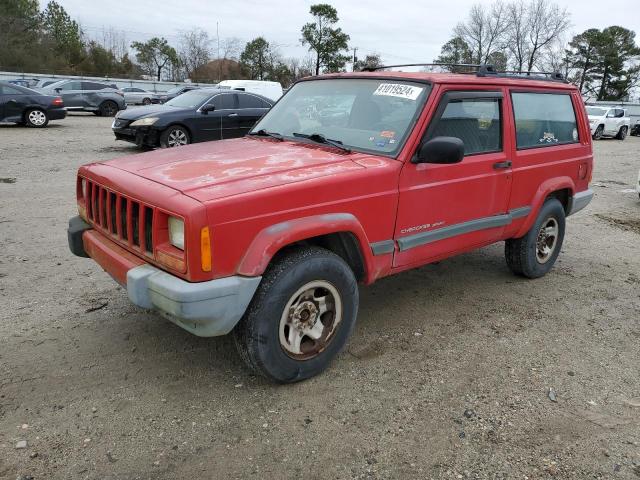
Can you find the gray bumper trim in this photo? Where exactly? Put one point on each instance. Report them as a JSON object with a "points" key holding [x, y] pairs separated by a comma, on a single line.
{"points": [[580, 200], [206, 309]]}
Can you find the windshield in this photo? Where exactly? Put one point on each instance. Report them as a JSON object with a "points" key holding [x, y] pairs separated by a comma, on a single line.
{"points": [[596, 111], [363, 114], [192, 99], [55, 85]]}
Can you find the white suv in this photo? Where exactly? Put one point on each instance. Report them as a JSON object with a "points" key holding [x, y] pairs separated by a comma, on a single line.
{"points": [[608, 122]]}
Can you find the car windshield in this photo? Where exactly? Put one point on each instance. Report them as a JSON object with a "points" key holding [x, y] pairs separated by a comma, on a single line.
{"points": [[192, 99], [370, 115], [596, 111], [55, 85]]}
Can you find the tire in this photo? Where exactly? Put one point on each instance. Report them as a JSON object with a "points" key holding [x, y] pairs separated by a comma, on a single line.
{"points": [[533, 255], [622, 133], [36, 118], [108, 108], [146, 101], [597, 135], [175, 136], [280, 313]]}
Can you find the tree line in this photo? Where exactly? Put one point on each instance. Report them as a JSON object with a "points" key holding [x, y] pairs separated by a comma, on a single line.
{"points": [[517, 35], [527, 35]]}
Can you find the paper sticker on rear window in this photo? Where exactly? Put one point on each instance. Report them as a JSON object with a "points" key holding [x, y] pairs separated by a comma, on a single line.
{"points": [[398, 90]]}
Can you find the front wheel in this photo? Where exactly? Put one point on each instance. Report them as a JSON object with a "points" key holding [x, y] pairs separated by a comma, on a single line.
{"points": [[36, 118], [533, 255], [174, 136], [300, 317], [146, 101], [108, 108], [622, 133], [597, 135]]}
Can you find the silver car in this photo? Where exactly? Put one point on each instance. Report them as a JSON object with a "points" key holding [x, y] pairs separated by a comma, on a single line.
{"points": [[89, 96], [139, 96]]}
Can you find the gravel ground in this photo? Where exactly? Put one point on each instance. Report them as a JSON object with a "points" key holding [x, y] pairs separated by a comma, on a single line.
{"points": [[455, 370]]}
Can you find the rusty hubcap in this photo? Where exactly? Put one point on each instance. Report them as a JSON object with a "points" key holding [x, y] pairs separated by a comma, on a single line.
{"points": [[310, 319]]}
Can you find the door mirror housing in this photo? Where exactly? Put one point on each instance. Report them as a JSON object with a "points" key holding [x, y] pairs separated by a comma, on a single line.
{"points": [[208, 108], [440, 150]]}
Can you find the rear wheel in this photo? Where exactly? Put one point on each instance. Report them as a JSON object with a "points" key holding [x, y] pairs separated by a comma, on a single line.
{"points": [[146, 101], [597, 135], [108, 108], [36, 118], [174, 136], [533, 255], [300, 317], [622, 133]]}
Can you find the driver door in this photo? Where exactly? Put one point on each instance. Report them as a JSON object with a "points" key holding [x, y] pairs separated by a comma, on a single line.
{"points": [[446, 208]]}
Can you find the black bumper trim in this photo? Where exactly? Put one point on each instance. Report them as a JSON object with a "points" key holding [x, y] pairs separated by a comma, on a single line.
{"points": [[77, 226]]}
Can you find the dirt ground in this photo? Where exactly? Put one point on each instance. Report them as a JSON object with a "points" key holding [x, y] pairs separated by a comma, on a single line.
{"points": [[448, 374]]}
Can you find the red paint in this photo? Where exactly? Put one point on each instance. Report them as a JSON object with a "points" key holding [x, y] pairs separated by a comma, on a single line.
{"points": [[242, 188]]}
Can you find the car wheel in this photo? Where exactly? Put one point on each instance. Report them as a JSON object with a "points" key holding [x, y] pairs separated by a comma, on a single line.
{"points": [[300, 317], [622, 134], [36, 118], [533, 255], [146, 101], [597, 135], [108, 108], [175, 136]]}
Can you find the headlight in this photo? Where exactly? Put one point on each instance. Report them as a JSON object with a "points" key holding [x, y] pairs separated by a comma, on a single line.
{"points": [[176, 232], [83, 184], [143, 122]]}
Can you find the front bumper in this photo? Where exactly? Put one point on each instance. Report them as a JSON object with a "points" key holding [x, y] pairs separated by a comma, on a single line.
{"points": [[140, 135], [206, 309]]}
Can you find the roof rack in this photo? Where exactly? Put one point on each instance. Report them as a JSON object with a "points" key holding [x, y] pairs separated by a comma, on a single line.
{"points": [[482, 70]]}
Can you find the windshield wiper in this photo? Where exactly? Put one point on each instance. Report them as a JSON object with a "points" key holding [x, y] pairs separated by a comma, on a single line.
{"points": [[263, 133], [319, 138]]}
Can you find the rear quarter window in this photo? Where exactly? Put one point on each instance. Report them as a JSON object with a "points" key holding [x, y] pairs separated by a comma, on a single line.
{"points": [[544, 119]]}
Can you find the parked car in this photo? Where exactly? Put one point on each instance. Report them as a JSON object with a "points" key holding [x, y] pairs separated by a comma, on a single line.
{"points": [[635, 128], [27, 107], [89, 96], [608, 122], [197, 116], [271, 90], [139, 96], [24, 82], [174, 92], [268, 235]]}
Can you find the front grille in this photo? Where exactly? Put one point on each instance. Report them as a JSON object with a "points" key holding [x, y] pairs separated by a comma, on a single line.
{"points": [[128, 221]]}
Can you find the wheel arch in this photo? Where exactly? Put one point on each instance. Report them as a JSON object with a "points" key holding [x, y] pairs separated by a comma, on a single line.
{"points": [[561, 188], [340, 233], [177, 123]]}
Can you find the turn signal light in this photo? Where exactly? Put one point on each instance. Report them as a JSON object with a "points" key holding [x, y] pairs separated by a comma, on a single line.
{"points": [[205, 249]]}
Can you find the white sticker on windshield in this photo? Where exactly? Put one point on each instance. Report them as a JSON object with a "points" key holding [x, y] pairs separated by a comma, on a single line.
{"points": [[398, 90]]}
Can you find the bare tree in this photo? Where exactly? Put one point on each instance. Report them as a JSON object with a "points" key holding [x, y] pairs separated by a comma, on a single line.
{"points": [[517, 33], [483, 30], [194, 50], [547, 22], [230, 48]]}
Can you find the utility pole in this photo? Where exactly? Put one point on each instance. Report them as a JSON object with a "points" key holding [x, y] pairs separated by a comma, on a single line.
{"points": [[355, 59], [219, 61]]}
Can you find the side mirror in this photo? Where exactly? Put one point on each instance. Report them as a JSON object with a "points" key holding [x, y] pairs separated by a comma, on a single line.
{"points": [[440, 150], [208, 108]]}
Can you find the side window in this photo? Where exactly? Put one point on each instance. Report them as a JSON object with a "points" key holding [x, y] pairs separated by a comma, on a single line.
{"points": [[544, 119], [93, 86], [619, 113], [226, 101], [475, 121], [7, 90], [71, 86], [249, 101]]}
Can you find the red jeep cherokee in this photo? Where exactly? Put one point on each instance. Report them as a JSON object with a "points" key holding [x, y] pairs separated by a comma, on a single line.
{"points": [[349, 178]]}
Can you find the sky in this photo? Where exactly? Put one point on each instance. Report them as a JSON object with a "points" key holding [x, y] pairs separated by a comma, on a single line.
{"points": [[402, 31]]}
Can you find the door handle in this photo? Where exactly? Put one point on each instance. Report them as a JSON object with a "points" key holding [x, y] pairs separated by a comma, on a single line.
{"points": [[500, 165], [233, 114]]}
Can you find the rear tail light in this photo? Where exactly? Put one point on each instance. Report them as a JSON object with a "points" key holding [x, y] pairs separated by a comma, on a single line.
{"points": [[57, 102]]}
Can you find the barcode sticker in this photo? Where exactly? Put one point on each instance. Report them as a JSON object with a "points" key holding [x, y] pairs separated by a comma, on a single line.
{"points": [[398, 90]]}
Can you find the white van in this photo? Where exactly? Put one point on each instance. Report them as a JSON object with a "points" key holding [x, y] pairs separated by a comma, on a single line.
{"points": [[272, 90]]}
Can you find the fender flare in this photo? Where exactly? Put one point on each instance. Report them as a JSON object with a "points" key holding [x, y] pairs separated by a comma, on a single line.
{"points": [[272, 239], [547, 187]]}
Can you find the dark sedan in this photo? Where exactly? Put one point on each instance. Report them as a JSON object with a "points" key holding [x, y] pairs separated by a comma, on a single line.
{"points": [[25, 106], [197, 116]]}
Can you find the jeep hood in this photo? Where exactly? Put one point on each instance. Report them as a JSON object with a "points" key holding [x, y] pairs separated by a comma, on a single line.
{"points": [[211, 170]]}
